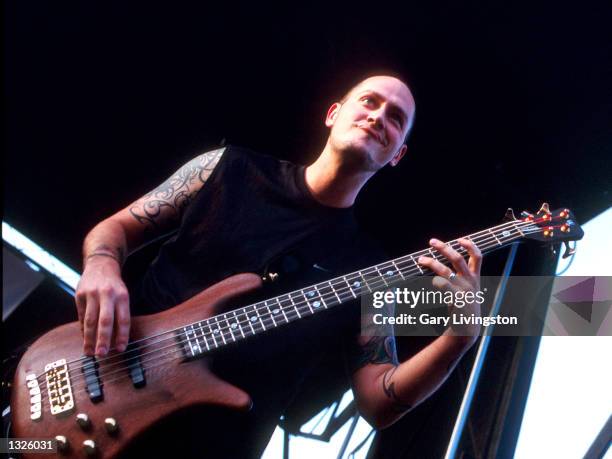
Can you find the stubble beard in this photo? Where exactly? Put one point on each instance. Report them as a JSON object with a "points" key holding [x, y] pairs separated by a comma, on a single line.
{"points": [[354, 156]]}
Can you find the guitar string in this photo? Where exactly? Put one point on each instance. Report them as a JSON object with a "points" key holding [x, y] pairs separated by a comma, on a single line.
{"points": [[301, 305], [162, 362], [264, 317], [290, 296], [173, 350], [294, 305]]}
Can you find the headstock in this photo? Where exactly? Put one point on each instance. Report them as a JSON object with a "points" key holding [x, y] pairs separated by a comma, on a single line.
{"points": [[549, 226]]}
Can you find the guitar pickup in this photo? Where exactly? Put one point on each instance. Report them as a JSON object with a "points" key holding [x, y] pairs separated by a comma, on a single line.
{"points": [[135, 367], [92, 379]]}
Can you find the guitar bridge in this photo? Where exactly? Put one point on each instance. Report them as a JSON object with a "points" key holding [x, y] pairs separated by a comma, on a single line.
{"points": [[58, 386]]}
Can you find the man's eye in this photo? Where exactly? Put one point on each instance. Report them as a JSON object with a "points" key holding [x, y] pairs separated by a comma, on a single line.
{"points": [[368, 100]]}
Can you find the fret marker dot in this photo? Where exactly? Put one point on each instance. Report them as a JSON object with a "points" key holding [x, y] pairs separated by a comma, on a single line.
{"points": [[506, 233], [253, 319], [194, 349], [316, 304], [234, 325], [275, 311], [356, 284], [216, 331], [389, 273], [310, 294]]}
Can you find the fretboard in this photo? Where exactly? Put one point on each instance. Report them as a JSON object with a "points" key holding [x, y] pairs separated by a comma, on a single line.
{"points": [[205, 336]]}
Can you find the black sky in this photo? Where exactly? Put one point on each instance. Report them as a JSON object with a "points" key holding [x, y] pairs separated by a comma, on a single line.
{"points": [[103, 100]]}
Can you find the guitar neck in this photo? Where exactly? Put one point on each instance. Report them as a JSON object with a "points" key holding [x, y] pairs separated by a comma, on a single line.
{"points": [[218, 331]]}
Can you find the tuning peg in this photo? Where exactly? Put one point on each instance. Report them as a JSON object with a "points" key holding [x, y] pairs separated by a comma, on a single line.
{"points": [[270, 277], [509, 217], [527, 215], [544, 208], [568, 250]]}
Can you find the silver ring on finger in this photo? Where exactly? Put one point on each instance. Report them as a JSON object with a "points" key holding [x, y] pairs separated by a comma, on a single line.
{"points": [[451, 276]]}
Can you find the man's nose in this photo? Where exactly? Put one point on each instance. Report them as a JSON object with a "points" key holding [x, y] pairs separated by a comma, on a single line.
{"points": [[375, 119]]}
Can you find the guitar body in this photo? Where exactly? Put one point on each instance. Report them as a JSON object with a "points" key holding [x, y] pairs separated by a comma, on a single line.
{"points": [[176, 384]]}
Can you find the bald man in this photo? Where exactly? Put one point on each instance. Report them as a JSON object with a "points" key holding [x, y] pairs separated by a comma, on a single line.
{"points": [[233, 210]]}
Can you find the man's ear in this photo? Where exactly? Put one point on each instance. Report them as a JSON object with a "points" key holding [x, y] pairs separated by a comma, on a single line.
{"points": [[399, 155], [332, 114]]}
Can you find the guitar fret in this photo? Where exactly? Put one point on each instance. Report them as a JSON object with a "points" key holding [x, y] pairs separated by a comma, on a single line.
{"points": [[203, 336], [398, 270], [256, 309], [342, 290], [364, 281], [307, 302], [195, 336], [248, 320], [381, 276], [295, 307], [271, 315], [229, 327], [518, 229], [416, 264], [282, 309], [355, 284], [238, 324], [217, 331], [191, 346], [334, 290], [493, 234], [320, 297], [212, 335], [326, 292], [349, 287]]}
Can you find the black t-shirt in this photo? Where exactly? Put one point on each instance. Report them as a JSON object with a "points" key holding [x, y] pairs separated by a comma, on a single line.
{"points": [[256, 214]]}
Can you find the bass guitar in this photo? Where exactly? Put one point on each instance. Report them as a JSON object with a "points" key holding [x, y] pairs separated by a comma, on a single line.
{"points": [[96, 406]]}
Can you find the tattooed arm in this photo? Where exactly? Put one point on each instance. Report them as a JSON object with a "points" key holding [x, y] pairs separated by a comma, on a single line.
{"points": [[385, 390], [101, 296], [161, 209]]}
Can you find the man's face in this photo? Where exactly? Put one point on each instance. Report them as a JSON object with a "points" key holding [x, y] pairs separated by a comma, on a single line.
{"points": [[372, 123]]}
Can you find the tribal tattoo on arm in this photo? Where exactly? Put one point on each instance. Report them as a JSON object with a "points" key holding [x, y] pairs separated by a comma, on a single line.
{"points": [[167, 203], [376, 345], [381, 350], [388, 387]]}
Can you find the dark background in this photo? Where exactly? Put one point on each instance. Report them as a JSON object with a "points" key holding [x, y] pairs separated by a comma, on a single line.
{"points": [[104, 100]]}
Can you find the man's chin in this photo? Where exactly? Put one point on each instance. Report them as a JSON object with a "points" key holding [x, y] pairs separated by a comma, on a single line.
{"points": [[357, 155]]}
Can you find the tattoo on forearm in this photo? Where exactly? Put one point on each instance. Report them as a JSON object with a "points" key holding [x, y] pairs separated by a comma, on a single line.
{"points": [[173, 196], [389, 389]]}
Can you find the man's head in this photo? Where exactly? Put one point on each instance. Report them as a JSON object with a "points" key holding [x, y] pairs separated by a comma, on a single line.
{"points": [[372, 121]]}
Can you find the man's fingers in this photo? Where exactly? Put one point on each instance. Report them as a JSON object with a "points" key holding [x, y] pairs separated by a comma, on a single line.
{"points": [[122, 323], [458, 284], [81, 306], [90, 324], [475, 261], [451, 255], [435, 266], [105, 324]]}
